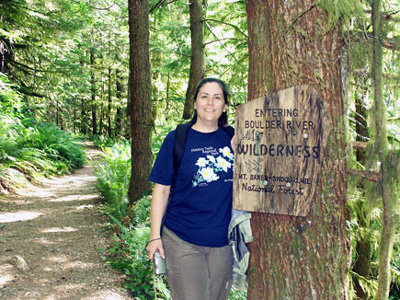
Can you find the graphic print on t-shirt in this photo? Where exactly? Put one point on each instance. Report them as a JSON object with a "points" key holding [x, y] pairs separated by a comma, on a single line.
{"points": [[214, 162]]}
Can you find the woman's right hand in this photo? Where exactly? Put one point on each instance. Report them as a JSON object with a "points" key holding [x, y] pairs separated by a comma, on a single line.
{"points": [[155, 245]]}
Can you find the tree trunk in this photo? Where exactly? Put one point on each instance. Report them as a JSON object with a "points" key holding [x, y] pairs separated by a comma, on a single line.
{"points": [[93, 90], [2, 56], [75, 115], [197, 62], [140, 98], [109, 125], [362, 265], [57, 113], [119, 113], [389, 161], [2, 50], [300, 257], [83, 117]]}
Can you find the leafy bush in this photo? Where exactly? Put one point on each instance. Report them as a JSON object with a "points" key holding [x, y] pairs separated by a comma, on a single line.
{"points": [[29, 148], [127, 254], [102, 142], [57, 145], [113, 174]]}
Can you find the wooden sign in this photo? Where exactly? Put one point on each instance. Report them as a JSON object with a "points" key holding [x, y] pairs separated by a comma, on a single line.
{"points": [[280, 141]]}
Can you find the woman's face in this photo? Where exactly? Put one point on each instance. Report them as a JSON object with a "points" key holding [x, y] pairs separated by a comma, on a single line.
{"points": [[210, 103]]}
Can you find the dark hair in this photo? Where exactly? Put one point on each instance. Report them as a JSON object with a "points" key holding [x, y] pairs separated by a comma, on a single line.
{"points": [[223, 119]]}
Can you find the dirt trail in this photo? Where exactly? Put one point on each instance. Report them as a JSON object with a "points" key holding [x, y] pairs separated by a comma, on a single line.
{"points": [[57, 230]]}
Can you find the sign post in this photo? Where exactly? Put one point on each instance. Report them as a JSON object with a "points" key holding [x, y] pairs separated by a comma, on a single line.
{"points": [[280, 140]]}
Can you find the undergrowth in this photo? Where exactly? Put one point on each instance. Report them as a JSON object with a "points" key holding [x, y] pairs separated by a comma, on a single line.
{"points": [[30, 149]]}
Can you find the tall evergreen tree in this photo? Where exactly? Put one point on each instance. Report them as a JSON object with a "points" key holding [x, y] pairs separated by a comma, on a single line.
{"points": [[292, 257], [197, 62], [389, 160], [140, 98]]}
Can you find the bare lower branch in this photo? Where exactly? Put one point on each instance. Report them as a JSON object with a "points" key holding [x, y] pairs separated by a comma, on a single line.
{"points": [[369, 175]]}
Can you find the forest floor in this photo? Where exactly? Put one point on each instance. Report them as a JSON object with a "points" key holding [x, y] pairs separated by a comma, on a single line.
{"points": [[51, 241]]}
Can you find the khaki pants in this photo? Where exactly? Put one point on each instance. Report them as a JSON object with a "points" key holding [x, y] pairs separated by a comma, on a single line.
{"points": [[195, 272]]}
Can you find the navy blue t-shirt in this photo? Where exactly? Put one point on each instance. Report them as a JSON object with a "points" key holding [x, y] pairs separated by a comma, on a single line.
{"points": [[200, 209]]}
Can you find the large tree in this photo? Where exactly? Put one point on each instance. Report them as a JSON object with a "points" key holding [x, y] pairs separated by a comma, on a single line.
{"points": [[389, 162], [140, 98], [197, 62], [292, 43]]}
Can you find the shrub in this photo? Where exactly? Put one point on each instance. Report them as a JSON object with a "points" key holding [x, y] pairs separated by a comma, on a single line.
{"points": [[113, 174], [127, 254]]}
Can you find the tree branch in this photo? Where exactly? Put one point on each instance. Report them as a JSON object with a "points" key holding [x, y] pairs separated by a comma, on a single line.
{"points": [[388, 43], [360, 145], [369, 175], [228, 24], [387, 16], [216, 41], [94, 7], [159, 3], [359, 72]]}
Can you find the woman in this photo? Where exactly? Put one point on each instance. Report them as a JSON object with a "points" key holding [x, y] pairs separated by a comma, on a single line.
{"points": [[195, 236]]}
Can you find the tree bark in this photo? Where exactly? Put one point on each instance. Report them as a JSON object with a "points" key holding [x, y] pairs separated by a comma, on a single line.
{"points": [[109, 107], [300, 257], [362, 264], [83, 117], [389, 161], [93, 90], [197, 61], [140, 98], [119, 114]]}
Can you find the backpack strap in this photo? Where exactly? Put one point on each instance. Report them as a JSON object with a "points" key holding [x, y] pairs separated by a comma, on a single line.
{"points": [[229, 130], [179, 147]]}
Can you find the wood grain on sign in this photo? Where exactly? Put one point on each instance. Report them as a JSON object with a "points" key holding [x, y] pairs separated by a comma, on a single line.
{"points": [[280, 141]]}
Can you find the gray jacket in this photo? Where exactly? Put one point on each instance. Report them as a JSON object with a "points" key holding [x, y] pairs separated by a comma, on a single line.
{"points": [[239, 234]]}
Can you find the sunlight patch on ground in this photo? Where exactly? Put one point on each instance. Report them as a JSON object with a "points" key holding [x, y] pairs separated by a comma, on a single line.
{"points": [[69, 287], [75, 198], [43, 241], [4, 277], [79, 265], [18, 216], [104, 295], [35, 193], [81, 207], [51, 297], [57, 259], [44, 282], [18, 202], [57, 229], [72, 180]]}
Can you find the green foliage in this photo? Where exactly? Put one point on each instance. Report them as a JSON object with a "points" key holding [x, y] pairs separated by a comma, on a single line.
{"points": [[237, 294], [113, 174], [56, 144], [10, 100], [162, 131], [102, 142], [37, 150], [343, 10], [141, 212], [127, 253], [28, 148]]}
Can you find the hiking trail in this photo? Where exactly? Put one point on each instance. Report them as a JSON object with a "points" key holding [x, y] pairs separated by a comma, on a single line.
{"points": [[50, 236]]}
